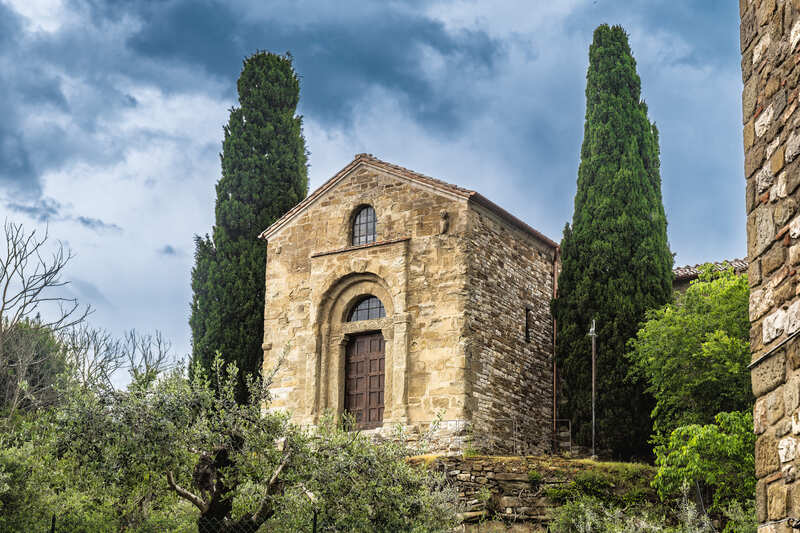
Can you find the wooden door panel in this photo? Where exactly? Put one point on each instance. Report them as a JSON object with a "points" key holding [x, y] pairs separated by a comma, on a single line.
{"points": [[365, 380]]}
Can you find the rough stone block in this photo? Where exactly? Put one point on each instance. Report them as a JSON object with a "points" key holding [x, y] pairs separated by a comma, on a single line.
{"points": [[794, 254], [777, 501], [761, 500], [794, 35], [760, 416], [753, 159], [749, 99], [754, 271], [793, 353], [773, 259], [787, 449], [773, 326], [784, 210], [777, 160], [768, 374], [764, 179], [792, 323], [760, 48], [764, 121], [792, 147], [775, 405], [761, 301], [749, 134], [766, 455], [791, 393], [760, 231]]}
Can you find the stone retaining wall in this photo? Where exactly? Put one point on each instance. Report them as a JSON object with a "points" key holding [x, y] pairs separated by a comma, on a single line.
{"points": [[500, 488]]}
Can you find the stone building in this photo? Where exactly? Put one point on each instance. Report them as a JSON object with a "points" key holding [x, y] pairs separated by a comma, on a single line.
{"points": [[401, 299], [770, 35]]}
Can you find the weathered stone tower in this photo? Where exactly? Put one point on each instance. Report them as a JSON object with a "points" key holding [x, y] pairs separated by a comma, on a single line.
{"points": [[770, 34]]}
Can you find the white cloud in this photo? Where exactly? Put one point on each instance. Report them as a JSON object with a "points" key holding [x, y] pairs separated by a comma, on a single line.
{"points": [[41, 15]]}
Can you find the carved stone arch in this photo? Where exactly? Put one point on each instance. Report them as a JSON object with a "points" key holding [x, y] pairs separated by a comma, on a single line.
{"points": [[334, 332]]}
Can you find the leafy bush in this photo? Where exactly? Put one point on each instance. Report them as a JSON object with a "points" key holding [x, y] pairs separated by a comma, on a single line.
{"points": [[718, 456], [693, 354], [173, 454], [589, 515], [535, 478], [613, 484]]}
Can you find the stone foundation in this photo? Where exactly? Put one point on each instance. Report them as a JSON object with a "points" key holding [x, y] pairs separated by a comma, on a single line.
{"points": [[500, 488]]}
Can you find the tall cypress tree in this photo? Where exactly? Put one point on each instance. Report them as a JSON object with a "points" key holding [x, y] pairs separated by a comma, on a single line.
{"points": [[264, 174], [616, 261]]}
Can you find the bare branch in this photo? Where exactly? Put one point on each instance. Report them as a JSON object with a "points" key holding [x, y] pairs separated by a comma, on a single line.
{"points": [[186, 495]]}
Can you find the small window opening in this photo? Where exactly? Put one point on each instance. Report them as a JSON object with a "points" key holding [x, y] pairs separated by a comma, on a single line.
{"points": [[364, 226], [369, 308]]}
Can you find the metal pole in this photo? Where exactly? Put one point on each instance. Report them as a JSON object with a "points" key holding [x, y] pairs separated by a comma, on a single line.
{"points": [[593, 335]]}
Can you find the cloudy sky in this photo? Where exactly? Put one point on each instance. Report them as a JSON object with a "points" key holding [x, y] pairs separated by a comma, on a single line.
{"points": [[111, 117]]}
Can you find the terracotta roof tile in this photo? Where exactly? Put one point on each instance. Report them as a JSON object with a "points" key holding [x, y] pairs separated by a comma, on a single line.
{"points": [[689, 272]]}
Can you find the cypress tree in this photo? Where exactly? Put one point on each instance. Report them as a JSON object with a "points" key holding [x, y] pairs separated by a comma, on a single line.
{"points": [[264, 174], [616, 261]]}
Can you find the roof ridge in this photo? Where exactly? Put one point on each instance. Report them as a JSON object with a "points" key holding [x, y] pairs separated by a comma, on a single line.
{"points": [[443, 187]]}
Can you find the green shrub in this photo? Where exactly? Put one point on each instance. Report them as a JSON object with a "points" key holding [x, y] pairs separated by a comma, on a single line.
{"points": [[535, 478], [589, 515]]}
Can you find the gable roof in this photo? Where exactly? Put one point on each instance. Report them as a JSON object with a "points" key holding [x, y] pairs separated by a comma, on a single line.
{"points": [[689, 272], [440, 186]]}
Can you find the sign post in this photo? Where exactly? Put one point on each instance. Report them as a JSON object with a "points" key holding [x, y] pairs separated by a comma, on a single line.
{"points": [[593, 335]]}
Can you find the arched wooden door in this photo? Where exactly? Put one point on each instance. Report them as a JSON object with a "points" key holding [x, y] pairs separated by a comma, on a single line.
{"points": [[365, 360]]}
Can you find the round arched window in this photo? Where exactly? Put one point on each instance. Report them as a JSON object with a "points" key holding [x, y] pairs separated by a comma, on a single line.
{"points": [[368, 308], [364, 225]]}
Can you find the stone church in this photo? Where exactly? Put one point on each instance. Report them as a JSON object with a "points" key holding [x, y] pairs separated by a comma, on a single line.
{"points": [[403, 300]]}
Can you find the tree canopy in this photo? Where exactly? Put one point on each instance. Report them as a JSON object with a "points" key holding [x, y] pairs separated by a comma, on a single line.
{"points": [[264, 174], [693, 354], [616, 262]]}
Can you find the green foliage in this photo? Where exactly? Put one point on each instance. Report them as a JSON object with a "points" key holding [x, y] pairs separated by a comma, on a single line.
{"points": [[535, 478], [719, 456], [613, 484], [352, 484], [264, 174], [616, 262], [741, 517], [588, 515], [693, 354], [33, 366], [133, 460]]}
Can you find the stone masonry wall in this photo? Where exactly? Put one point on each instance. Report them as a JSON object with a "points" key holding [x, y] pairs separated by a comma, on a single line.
{"points": [[770, 34], [515, 489], [510, 387], [415, 268]]}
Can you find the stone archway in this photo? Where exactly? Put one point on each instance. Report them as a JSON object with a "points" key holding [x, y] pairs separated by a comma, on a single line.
{"points": [[334, 333]]}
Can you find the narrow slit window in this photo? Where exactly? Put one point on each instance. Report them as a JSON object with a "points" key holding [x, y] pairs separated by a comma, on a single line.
{"points": [[364, 226], [369, 308]]}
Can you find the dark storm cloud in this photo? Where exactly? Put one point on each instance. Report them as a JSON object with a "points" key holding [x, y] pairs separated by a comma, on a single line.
{"points": [[16, 171], [338, 59], [47, 210], [96, 224], [42, 210], [526, 87]]}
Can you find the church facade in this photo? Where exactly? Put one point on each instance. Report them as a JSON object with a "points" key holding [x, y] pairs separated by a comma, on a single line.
{"points": [[400, 299]]}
